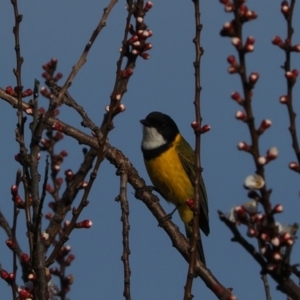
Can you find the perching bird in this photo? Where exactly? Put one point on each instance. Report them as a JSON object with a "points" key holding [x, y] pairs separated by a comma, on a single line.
{"points": [[170, 163]]}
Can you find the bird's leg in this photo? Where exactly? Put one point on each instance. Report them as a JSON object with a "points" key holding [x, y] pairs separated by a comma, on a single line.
{"points": [[168, 216]]}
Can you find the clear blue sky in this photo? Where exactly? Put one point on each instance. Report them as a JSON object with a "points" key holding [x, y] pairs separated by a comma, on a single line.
{"points": [[165, 82]]}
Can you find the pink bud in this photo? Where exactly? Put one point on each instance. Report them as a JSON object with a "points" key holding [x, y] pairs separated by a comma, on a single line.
{"points": [[243, 146], [265, 124], [294, 166], [277, 41], [84, 224], [31, 277], [231, 59], [145, 55], [195, 125], [262, 160], [296, 48], [236, 42], [240, 210], [285, 8], [232, 70], [4, 274], [14, 190], [190, 203], [147, 46], [137, 43], [264, 237], [249, 46], [277, 209], [272, 153], [275, 241], [205, 128], [133, 39], [229, 7], [25, 258], [251, 232], [24, 294], [253, 77], [237, 97], [10, 244], [277, 256], [148, 6], [291, 75], [283, 99], [57, 126], [240, 115]]}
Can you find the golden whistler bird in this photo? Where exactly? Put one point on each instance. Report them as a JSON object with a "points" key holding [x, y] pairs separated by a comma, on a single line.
{"points": [[170, 163]]}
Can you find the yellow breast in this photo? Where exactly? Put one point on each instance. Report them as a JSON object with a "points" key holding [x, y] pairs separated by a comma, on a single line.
{"points": [[169, 177]]}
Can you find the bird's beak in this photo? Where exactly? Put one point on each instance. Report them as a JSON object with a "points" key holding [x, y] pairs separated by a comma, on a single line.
{"points": [[145, 123]]}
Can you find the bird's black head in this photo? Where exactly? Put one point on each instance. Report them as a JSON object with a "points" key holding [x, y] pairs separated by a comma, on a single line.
{"points": [[163, 124]]}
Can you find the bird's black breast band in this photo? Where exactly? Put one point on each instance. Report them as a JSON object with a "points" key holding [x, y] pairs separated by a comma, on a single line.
{"points": [[153, 153]]}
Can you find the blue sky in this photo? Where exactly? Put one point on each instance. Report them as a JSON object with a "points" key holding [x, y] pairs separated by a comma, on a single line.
{"points": [[165, 82]]}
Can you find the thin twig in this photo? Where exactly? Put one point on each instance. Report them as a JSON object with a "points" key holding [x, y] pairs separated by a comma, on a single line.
{"points": [[290, 85], [197, 198], [125, 231]]}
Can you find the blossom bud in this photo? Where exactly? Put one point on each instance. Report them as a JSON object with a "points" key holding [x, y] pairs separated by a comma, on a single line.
{"points": [[84, 224], [190, 203], [277, 209], [265, 124], [240, 115], [294, 166], [277, 41], [253, 77], [236, 42], [148, 6], [272, 153], [237, 97], [283, 99], [243, 146]]}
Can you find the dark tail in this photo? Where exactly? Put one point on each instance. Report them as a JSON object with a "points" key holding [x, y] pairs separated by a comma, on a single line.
{"points": [[201, 251]]}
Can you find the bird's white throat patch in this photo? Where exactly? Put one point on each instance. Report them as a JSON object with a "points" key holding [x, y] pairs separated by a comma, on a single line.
{"points": [[152, 139]]}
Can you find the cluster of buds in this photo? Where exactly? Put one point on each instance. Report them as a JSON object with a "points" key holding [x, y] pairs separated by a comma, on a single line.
{"points": [[46, 93], [272, 154], [197, 129], [118, 109], [245, 15], [273, 240], [8, 277], [64, 259], [16, 197], [286, 45], [13, 92], [234, 66], [50, 68], [137, 41]]}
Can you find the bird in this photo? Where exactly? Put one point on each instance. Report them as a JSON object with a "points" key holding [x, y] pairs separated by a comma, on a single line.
{"points": [[170, 163]]}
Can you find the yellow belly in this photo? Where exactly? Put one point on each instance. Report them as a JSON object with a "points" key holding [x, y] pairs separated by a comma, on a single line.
{"points": [[169, 177]]}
